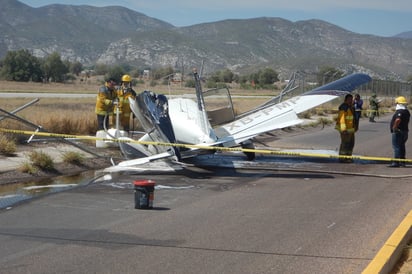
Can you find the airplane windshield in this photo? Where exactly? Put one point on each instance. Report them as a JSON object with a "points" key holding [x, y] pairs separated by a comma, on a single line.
{"points": [[219, 106]]}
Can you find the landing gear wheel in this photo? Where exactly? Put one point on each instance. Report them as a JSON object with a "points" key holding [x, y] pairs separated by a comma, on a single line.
{"points": [[249, 155]]}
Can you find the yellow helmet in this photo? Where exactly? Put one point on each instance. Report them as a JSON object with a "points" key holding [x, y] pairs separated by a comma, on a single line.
{"points": [[126, 78], [401, 100]]}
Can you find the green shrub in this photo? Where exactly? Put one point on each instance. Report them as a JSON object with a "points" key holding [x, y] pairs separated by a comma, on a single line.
{"points": [[41, 160]]}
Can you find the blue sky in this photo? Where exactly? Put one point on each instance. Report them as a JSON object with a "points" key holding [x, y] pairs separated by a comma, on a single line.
{"points": [[377, 17]]}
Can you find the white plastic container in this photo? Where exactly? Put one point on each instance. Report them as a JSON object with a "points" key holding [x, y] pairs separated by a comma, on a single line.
{"points": [[108, 135], [101, 143]]}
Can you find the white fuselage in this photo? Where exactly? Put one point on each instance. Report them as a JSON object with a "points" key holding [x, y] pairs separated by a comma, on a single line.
{"points": [[190, 125]]}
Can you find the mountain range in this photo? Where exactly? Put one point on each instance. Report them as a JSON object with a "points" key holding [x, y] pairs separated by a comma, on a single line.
{"points": [[117, 35]]}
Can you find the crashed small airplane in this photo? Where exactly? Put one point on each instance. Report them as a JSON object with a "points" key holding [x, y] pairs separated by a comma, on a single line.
{"points": [[187, 121]]}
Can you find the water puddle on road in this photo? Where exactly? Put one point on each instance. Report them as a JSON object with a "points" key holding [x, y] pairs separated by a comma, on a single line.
{"points": [[11, 194]]}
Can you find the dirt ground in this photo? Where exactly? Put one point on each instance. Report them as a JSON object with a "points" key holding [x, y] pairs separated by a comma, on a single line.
{"points": [[13, 174], [17, 176]]}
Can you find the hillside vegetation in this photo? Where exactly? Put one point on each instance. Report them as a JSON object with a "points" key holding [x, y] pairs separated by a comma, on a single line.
{"points": [[85, 34]]}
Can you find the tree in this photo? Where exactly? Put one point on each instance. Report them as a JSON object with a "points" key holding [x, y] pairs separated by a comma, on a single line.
{"points": [[268, 77], [215, 77], [21, 66], [115, 73], [328, 74], [54, 69], [157, 74], [219, 79], [76, 68], [190, 83], [227, 76], [101, 69], [254, 79], [264, 77]]}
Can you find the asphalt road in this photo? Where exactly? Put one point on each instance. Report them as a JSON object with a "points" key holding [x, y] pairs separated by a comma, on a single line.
{"points": [[220, 220]]}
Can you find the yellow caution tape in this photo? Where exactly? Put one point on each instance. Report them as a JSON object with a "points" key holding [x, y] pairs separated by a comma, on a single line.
{"points": [[230, 149], [335, 111]]}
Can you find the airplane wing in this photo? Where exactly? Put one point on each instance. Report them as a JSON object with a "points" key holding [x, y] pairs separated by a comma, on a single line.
{"points": [[284, 114]]}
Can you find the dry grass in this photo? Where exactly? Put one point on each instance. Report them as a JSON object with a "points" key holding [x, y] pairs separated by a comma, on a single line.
{"points": [[65, 116], [41, 160], [72, 157], [28, 167], [7, 145], [31, 87], [404, 265]]}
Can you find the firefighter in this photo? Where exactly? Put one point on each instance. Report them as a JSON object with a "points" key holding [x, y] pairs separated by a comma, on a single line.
{"points": [[374, 108], [399, 128], [124, 92], [347, 127], [106, 98]]}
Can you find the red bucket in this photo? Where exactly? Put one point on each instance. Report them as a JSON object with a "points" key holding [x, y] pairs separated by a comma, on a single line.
{"points": [[144, 194]]}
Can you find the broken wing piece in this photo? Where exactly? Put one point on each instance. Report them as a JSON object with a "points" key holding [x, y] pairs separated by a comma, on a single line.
{"points": [[145, 160], [157, 163]]}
